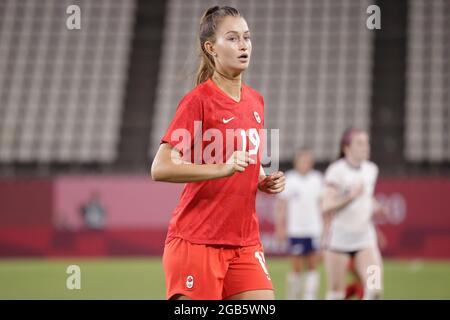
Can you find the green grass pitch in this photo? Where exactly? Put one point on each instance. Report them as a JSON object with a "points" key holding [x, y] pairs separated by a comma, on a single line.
{"points": [[143, 278]]}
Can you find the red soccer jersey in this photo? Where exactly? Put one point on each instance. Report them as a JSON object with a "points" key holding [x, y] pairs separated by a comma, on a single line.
{"points": [[218, 211]]}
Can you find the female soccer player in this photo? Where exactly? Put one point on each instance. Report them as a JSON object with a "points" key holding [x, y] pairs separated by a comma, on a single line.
{"points": [[213, 249], [355, 288], [299, 218], [350, 183]]}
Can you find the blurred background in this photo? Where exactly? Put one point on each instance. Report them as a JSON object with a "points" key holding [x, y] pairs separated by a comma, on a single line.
{"points": [[82, 112]]}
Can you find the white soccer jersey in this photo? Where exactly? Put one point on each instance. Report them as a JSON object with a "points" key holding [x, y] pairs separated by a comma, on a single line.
{"points": [[351, 227], [303, 194]]}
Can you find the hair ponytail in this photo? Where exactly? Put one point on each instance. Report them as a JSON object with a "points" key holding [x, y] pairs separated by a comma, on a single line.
{"points": [[207, 32], [205, 69]]}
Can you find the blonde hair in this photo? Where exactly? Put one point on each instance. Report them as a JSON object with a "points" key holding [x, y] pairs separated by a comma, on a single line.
{"points": [[208, 27]]}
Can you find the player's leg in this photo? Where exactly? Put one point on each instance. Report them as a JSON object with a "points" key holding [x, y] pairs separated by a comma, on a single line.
{"points": [[336, 270], [179, 297], [253, 295], [193, 271], [368, 263], [247, 276], [355, 287], [350, 289], [293, 278], [294, 283], [311, 276]]}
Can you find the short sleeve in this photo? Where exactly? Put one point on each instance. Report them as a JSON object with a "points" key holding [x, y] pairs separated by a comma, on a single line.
{"points": [[321, 185], [332, 176], [288, 191], [185, 129], [376, 171]]}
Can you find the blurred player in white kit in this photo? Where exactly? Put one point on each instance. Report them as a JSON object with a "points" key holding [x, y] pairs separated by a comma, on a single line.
{"points": [[299, 220], [349, 201]]}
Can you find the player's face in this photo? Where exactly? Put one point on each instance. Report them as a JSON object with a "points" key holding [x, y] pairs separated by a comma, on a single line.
{"points": [[359, 148], [232, 46], [304, 162]]}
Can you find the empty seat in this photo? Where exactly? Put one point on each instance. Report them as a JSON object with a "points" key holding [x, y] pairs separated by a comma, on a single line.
{"points": [[65, 77]]}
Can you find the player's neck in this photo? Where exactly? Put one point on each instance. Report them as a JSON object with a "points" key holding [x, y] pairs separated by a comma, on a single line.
{"points": [[353, 162], [303, 173], [229, 84]]}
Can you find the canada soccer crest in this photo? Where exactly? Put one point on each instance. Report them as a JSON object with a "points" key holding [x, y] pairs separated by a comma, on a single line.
{"points": [[189, 282]]}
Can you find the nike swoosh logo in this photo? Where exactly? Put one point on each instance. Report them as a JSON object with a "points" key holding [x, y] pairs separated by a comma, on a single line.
{"points": [[227, 120]]}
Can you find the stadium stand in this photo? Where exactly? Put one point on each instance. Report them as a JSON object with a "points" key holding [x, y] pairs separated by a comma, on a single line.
{"points": [[427, 128], [61, 91]]}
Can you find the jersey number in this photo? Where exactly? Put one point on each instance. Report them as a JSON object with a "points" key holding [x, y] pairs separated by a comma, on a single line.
{"points": [[254, 139]]}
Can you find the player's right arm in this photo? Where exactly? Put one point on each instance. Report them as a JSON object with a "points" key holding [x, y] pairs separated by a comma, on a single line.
{"points": [[333, 201], [168, 166]]}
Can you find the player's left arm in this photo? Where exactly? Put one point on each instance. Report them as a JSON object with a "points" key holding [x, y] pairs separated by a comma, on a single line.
{"points": [[379, 210], [273, 183]]}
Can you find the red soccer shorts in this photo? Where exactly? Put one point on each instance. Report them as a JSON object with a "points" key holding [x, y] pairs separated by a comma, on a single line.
{"points": [[210, 272]]}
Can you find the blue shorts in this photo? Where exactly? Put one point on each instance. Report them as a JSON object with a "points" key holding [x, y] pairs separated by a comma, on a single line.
{"points": [[302, 246]]}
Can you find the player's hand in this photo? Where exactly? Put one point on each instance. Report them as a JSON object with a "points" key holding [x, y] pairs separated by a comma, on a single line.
{"points": [[273, 183], [356, 191], [238, 161], [380, 211]]}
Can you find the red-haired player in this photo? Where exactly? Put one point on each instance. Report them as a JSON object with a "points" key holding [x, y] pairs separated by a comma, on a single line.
{"points": [[350, 184]]}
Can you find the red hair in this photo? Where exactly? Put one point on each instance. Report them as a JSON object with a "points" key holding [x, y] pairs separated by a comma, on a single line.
{"points": [[346, 139]]}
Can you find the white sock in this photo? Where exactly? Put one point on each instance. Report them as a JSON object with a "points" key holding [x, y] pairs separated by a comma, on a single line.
{"points": [[335, 295], [293, 285], [312, 280]]}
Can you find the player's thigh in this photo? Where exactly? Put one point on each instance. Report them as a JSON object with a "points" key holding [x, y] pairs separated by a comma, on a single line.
{"points": [[312, 260], [253, 295], [312, 252], [368, 263], [297, 262], [352, 269], [336, 268], [246, 273], [179, 297], [193, 271]]}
